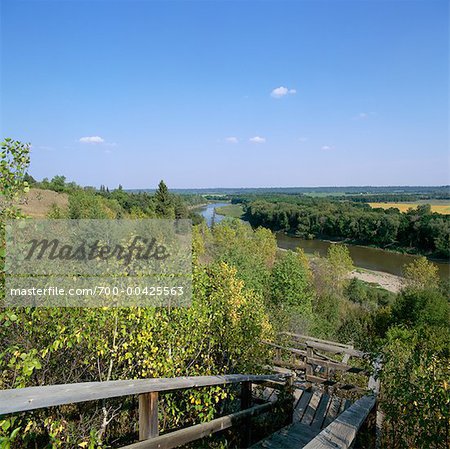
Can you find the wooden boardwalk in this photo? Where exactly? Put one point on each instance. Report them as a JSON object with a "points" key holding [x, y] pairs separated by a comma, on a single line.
{"points": [[313, 411], [320, 418]]}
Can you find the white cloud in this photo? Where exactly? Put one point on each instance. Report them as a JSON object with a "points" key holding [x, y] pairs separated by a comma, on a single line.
{"points": [[327, 147], [282, 91], [257, 139], [364, 115], [92, 139], [232, 139]]}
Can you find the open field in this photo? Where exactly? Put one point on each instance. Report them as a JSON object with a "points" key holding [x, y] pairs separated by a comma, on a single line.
{"points": [[37, 203], [233, 210], [439, 206]]}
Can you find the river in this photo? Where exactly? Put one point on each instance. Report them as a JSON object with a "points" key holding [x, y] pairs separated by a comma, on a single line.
{"points": [[363, 256]]}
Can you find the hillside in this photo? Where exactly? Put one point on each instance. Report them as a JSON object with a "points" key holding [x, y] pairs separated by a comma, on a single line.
{"points": [[38, 202]]}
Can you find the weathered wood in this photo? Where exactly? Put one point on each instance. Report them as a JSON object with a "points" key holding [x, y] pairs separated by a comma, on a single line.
{"points": [[336, 366], [184, 436], [320, 415], [294, 436], [341, 433], [311, 409], [148, 416], [333, 410], [318, 340], [285, 348], [31, 398], [309, 356], [301, 406], [334, 349]]}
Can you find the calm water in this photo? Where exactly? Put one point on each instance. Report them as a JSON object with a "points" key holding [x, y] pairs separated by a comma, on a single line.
{"points": [[364, 257], [208, 213]]}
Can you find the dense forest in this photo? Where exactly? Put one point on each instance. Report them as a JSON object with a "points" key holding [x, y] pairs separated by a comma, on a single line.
{"points": [[416, 231], [245, 291]]}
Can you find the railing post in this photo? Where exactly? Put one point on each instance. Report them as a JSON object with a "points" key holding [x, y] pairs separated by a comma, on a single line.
{"points": [[246, 402], [290, 391], [148, 416], [309, 366]]}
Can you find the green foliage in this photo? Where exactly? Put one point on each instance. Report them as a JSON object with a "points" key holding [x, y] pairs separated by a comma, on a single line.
{"points": [[415, 307], [340, 262], [415, 389], [164, 204], [251, 252], [14, 161], [421, 273], [220, 333], [368, 296], [291, 282]]}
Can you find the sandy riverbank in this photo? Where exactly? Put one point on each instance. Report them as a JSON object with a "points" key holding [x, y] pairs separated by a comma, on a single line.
{"points": [[387, 281]]}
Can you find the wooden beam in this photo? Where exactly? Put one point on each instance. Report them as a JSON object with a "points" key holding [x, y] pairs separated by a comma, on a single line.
{"points": [[318, 340], [148, 416], [32, 398], [341, 433], [184, 436], [334, 349]]}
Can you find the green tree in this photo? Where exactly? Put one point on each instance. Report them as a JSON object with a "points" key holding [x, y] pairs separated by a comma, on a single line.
{"points": [[415, 390], [421, 274], [291, 281], [164, 206]]}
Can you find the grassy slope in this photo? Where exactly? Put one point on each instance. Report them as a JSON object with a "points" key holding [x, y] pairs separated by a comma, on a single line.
{"points": [[37, 203]]}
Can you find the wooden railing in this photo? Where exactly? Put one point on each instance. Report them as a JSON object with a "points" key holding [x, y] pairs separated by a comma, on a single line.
{"points": [[312, 355], [342, 432], [32, 398]]}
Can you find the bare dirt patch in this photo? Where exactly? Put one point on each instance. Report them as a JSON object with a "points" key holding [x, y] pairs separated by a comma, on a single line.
{"points": [[37, 203]]}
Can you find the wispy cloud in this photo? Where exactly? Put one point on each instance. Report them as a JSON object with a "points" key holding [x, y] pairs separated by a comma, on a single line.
{"points": [[232, 139], [257, 139], [92, 139], [363, 115], [327, 147], [282, 91]]}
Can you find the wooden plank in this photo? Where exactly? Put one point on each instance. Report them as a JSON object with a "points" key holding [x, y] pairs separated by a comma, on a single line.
{"points": [[309, 356], [302, 405], [294, 436], [336, 366], [285, 348], [184, 436], [308, 338], [311, 409], [333, 410], [31, 398], [319, 417], [290, 365], [345, 404], [298, 392], [334, 349], [148, 416], [341, 433]]}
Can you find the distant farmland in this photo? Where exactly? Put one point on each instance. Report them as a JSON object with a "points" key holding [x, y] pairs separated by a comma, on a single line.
{"points": [[439, 206]]}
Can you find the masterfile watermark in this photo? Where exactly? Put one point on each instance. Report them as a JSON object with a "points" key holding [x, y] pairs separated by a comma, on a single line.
{"points": [[140, 248], [96, 263]]}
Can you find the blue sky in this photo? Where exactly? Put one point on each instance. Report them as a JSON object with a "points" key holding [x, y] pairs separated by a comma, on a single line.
{"points": [[229, 93]]}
